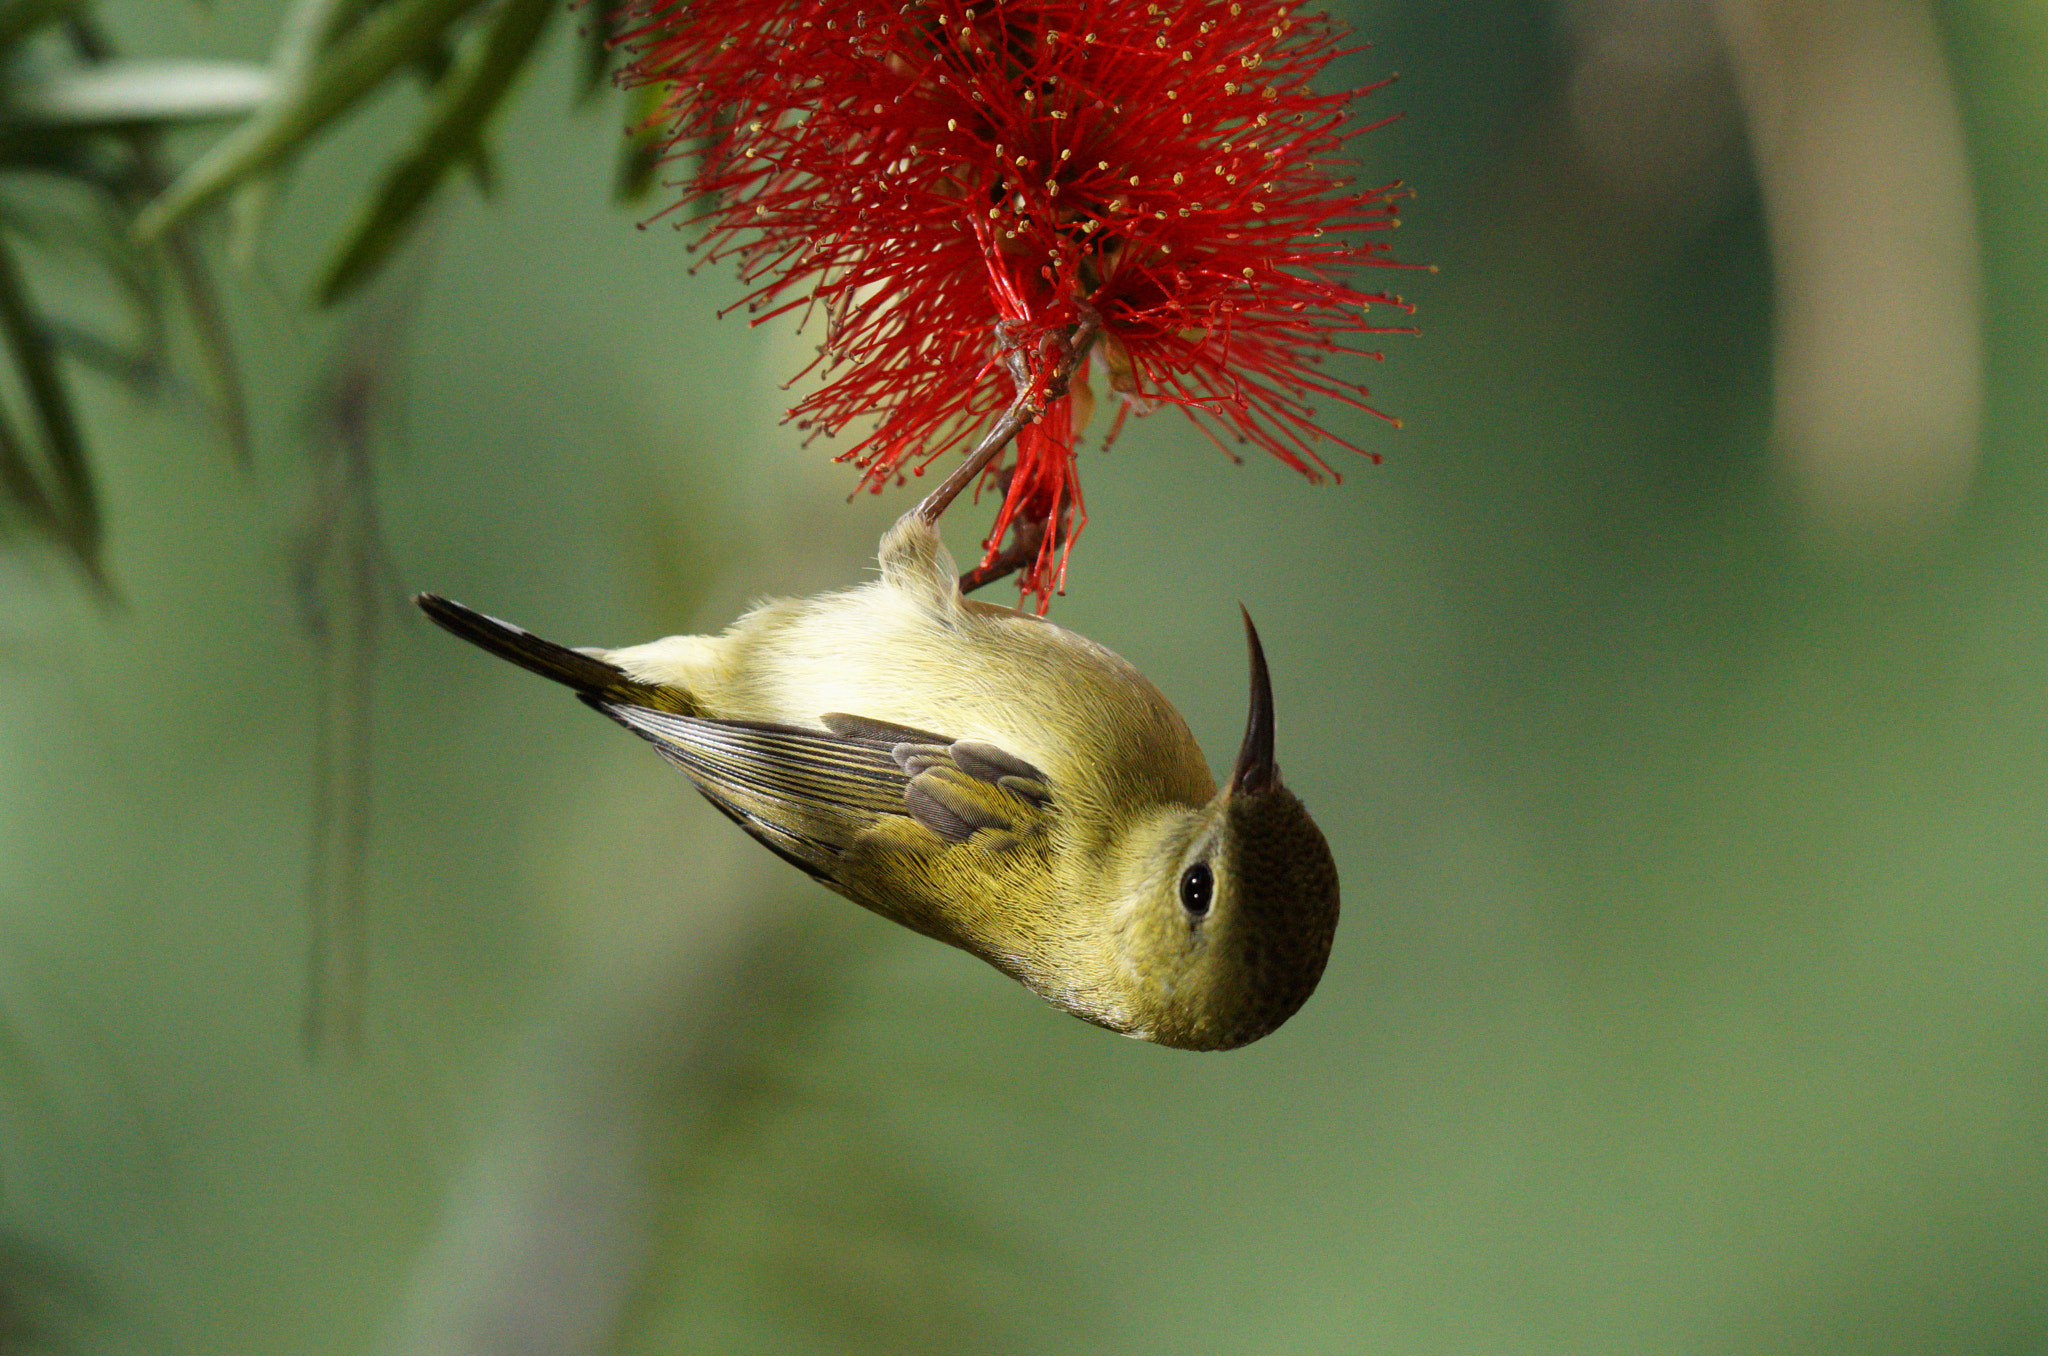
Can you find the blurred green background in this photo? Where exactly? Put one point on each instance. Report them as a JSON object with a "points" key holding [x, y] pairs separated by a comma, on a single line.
{"points": [[1673, 697]]}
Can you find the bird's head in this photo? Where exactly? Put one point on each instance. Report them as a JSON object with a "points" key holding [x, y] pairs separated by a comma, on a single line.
{"points": [[1226, 932]]}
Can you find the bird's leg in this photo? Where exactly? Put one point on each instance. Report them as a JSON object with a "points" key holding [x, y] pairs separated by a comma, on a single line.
{"points": [[1025, 409], [1022, 411]]}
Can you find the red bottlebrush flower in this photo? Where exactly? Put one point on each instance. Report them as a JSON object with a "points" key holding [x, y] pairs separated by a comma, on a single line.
{"points": [[956, 187]]}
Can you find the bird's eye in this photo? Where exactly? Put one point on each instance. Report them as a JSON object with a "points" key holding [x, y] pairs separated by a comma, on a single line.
{"points": [[1197, 888]]}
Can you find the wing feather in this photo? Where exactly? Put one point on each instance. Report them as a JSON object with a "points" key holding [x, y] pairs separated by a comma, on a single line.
{"points": [[810, 795]]}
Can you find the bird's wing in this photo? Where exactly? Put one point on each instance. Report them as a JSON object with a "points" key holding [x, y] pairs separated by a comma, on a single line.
{"points": [[807, 795]]}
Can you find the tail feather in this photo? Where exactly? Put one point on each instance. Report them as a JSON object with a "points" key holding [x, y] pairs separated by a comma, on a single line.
{"points": [[586, 673]]}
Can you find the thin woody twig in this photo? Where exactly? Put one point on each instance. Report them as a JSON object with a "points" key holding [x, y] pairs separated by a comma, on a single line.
{"points": [[1027, 536], [1023, 410]]}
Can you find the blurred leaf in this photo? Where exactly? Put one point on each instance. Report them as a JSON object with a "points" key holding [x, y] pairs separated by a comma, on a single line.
{"points": [[640, 161], [21, 18], [600, 27], [309, 28], [80, 156], [216, 349], [74, 505], [249, 211], [143, 92], [142, 180], [389, 38], [344, 578], [452, 133], [92, 128], [139, 369], [98, 238], [435, 63], [18, 479], [435, 68]]}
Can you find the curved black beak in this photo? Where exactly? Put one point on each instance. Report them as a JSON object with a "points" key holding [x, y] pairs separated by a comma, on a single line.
{"points": [[1256, 772]]}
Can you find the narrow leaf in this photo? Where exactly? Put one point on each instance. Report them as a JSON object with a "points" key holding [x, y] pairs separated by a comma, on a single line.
{"points": [[640, 157], [308, 28], [358, 63], [120, 92], [453, 133], [96, 237], [19, 484], [216, 349], [141, 369], [75, 503], [600, 25]]}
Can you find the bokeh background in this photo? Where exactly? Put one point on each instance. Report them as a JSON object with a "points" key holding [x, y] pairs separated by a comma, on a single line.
{"points": [[1673, 698]]}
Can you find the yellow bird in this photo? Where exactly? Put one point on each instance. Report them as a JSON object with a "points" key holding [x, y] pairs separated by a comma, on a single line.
{"points": [[993, 780]]}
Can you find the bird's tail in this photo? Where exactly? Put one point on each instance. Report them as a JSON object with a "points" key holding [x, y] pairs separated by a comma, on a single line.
{"points": [[588, 674]]}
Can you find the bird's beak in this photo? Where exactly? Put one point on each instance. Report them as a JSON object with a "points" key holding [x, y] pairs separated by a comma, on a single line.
{"points": [[1256, 772]]}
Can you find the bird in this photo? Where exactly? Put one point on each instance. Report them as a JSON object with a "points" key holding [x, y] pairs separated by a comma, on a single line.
{"points": [[990, 779]]}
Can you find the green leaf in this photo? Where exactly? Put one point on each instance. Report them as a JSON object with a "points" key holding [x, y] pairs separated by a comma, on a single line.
{"points": [[640, 158], [141, 370], [74, 507], [360, 61], [309, 28], [22, 18], [19, 484], [125, 92], [249, 211], [601, 26], [434, 64], [216, 349], [96, 237], [453, 133]]}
